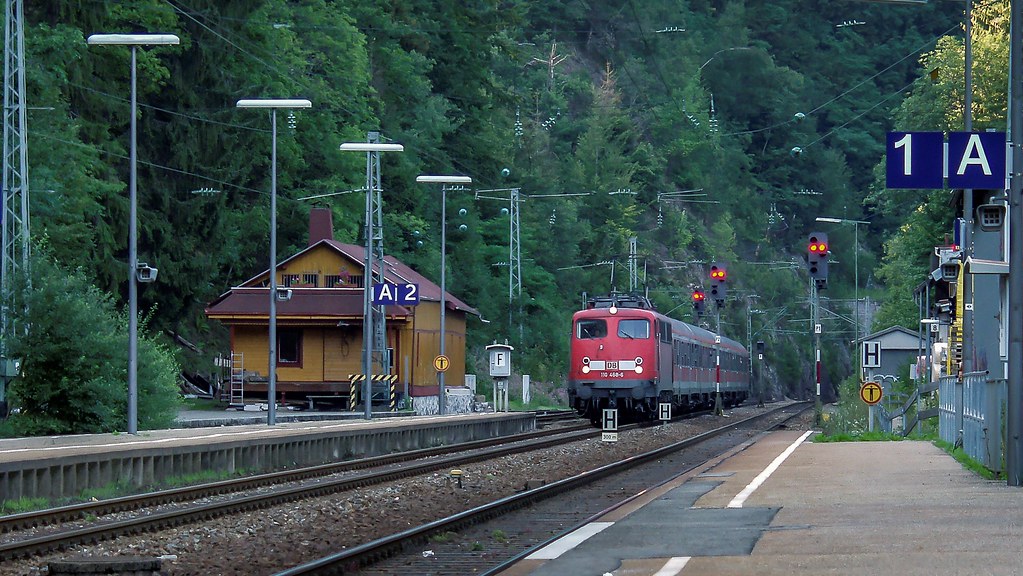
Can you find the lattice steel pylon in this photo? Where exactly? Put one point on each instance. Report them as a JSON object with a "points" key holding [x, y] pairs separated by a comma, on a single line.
{"points": [[633, 271], [514, 250], [15, 237], [376, 273]]}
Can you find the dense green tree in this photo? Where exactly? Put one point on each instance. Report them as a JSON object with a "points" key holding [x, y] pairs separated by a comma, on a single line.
{"points": [[571, 97], [937, 103], [74, 361]]}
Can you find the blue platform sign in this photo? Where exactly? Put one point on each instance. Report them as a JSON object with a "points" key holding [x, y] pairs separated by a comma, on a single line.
{"points": [[977, 160], [915, 160], [974, 160], [385, 294]]}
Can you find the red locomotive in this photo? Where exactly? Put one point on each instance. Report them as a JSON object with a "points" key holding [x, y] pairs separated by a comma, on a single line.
{"points": [[626, 355]]}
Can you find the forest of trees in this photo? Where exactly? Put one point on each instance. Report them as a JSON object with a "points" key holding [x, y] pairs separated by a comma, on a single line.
{"points": [[774, 112]]}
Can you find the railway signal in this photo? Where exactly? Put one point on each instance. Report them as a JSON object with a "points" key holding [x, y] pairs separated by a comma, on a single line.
{"points": [[718, 279], [817, 258], [699, 301]]}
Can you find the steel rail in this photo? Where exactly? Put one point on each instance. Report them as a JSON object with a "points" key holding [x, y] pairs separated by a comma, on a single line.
{"points": [[365, 554]]}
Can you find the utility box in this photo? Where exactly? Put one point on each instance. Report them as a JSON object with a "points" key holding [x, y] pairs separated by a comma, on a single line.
{"points": [[500, 360], [500, 370]]}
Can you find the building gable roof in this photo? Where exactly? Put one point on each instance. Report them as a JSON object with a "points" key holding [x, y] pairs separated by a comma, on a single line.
{"points": [[893, 338], [395, 271]]}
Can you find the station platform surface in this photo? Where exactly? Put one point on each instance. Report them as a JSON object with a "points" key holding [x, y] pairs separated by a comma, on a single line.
{"points": [[782, 505], [223, 427]]}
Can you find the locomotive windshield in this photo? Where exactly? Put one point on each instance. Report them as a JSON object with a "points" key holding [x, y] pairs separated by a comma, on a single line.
{"points": [[634, 329], [588, 329]]}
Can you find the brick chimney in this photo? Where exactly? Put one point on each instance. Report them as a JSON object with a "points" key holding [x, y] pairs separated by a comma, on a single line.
{"points": [[321, 225]]}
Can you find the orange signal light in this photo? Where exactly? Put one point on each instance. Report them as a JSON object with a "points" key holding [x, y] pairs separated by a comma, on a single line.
{"points": [[717, 274], [819, 248], [698, 296]]}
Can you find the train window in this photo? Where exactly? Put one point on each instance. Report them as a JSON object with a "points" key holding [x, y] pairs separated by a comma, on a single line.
{"points": [[589, 329], [639, 329]]}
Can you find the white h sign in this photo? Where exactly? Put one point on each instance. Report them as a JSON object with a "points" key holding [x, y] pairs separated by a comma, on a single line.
{"points": [[871, 355]]}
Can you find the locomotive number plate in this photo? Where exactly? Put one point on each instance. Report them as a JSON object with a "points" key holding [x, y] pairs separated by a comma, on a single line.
{"points": [[612, 374]]}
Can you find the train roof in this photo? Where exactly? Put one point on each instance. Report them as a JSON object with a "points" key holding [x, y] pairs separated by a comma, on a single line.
{"points": [[598, 305]]}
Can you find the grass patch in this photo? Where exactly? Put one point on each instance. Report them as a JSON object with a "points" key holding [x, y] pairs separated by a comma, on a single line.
{"points": [[858, 437], [499, 536], [201, 478], [443, 537], [106, 492], [23, 505], [117, 490], [970, 464], [202, 404]]}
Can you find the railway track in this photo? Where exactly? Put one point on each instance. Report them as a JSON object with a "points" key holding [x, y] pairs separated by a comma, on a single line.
{"points": [[310, 482], [475, 545], [32, 519]]}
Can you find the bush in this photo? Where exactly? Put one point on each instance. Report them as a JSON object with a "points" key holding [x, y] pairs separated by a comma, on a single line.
{"points": [[74, 362]]}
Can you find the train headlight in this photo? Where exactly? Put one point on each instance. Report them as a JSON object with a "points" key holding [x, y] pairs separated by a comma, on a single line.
{"points": [[586, 369], [586, 360], [639, 369], [639, 360], [612, 310]]}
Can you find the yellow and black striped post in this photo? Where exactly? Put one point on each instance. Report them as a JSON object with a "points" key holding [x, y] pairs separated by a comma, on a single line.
{"points": [[353, 387], [355, 379], [391, 379]]}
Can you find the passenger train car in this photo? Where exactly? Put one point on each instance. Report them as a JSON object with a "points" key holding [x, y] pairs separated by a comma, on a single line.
{"points": [[626, 355]]}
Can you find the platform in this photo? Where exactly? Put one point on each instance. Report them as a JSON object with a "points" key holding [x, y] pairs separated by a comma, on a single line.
{"points": [[830, 508], [64, 466]]}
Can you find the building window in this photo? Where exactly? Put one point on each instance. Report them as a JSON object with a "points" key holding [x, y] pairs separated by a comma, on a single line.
{"points": [[289, 279], [342, 281], [289, 347], [311, 279]]}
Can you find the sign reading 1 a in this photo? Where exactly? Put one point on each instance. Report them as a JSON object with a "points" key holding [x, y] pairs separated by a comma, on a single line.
{"points": [[922, 160]]}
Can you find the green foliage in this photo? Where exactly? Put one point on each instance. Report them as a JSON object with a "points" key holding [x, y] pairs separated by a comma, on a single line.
{"points": [[23, 505], [860, 437], [74, 361], [960, 455], [572, 97]]}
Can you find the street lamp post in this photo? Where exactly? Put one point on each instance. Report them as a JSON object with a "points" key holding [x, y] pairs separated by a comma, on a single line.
{"points": [[273, 105], [856, 288], [133, 40], [444, 181], [372, 327]]}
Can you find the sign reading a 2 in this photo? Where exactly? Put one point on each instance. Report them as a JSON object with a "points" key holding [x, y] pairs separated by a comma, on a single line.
{"points": [[390, 294]]}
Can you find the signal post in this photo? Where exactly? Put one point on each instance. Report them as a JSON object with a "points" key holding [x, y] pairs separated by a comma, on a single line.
{"points": [[718, 290], [817, 260]]}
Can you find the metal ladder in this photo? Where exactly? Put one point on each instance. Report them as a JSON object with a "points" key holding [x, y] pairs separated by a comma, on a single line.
{"points": [[236, 387]]}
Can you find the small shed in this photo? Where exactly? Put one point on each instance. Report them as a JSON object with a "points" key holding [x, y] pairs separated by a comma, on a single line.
{"points": [[892, 348], [319, 328]]}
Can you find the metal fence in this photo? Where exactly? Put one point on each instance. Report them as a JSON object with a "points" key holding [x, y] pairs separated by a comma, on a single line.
{"points": [[971, 415]]}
